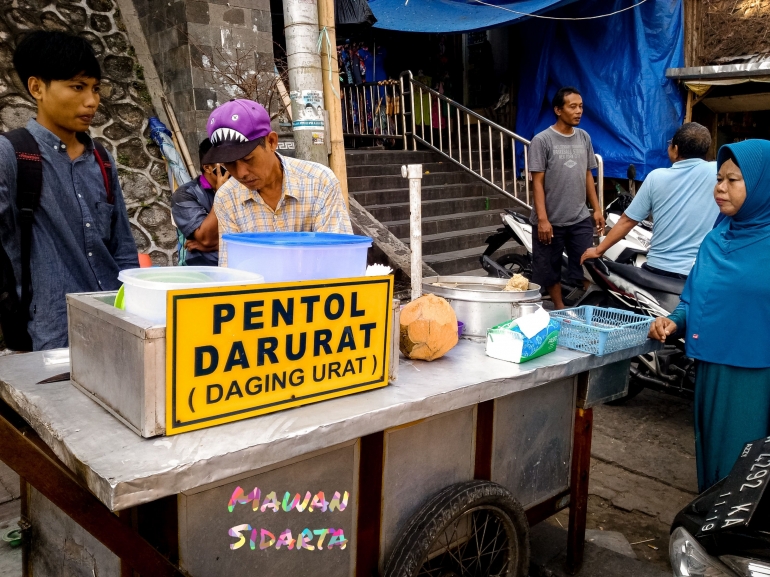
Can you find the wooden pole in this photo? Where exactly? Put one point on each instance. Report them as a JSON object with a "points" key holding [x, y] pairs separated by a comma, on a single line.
{"points": [[285, 98], [180, 142], [693, 28], [688, 110], [689, 32], [578, 504], [697, 33], [331, 85]]}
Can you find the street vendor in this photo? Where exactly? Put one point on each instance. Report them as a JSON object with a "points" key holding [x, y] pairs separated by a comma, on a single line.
{"points": [[268, 192], [723, 317]]}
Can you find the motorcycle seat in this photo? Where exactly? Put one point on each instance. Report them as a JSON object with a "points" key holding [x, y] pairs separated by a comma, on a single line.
{"points": [[645, 278]]}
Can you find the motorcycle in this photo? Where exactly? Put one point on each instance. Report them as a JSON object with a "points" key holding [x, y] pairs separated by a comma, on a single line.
{"points": [[617, 281], [632, 249], [518, 228], [725, 531], [620, 282]]}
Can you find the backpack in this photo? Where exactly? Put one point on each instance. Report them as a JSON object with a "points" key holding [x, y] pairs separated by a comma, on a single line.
{"points": [[14, 312]]}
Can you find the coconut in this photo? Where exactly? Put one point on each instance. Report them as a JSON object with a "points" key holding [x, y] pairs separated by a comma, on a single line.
{"points": [[428, 328]]}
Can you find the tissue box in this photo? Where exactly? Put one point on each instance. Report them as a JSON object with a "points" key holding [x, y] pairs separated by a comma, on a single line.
{"points": [[506, 342]]}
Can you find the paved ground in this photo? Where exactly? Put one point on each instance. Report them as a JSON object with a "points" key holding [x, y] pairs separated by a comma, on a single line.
{"points": [[10, 559], [549, 545], [642, 474]]}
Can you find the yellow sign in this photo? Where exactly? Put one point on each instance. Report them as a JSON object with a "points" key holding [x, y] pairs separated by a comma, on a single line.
{"points": [[235, 353]]}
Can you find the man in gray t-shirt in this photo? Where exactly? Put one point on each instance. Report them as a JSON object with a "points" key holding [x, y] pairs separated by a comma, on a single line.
{"points": [[561, 159]]}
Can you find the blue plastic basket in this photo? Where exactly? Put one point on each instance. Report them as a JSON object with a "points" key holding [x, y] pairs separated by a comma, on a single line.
{"points": [[601, 331]]}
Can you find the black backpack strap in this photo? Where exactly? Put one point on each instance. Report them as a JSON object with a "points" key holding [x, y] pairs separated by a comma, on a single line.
{"points": [[103, 160], [29, 184]]}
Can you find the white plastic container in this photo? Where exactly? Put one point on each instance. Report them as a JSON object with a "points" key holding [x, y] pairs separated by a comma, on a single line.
{"points": [[145, 288], [293, 256]]}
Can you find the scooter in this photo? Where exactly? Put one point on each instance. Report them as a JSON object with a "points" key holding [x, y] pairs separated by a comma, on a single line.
{"points": [[634, 247], [635, 289], [630, 250], [518, 228]]}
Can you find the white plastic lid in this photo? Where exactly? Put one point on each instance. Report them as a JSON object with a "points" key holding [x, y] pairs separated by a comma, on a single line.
{"points": [[297, 239], [181, 277]]}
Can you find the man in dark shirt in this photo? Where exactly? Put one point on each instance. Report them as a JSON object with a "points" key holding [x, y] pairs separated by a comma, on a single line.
{"points": [[191, 209], [80, 240]]}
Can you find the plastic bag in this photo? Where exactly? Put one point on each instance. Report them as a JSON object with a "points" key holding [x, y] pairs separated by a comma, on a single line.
{"points": [[353, 12]]}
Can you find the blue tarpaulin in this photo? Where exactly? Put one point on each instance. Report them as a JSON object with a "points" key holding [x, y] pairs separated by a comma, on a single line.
{"points": [[619, 65], [452, 15]]}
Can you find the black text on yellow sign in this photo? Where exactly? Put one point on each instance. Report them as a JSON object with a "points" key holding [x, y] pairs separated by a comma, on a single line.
{"points": [[236, 353]]}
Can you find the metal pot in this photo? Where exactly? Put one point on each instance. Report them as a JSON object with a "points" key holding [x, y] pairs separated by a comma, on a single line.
{"points": [[480, 302]]}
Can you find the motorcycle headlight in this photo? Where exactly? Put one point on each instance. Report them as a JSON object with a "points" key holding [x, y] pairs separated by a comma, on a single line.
{"points": [[747, 567], [689, 559]]}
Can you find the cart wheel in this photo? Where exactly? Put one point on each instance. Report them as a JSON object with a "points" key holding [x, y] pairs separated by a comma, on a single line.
{"points": [[471, 529], [517, 264]]}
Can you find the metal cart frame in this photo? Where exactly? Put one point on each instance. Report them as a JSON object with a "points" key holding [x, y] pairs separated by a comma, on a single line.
{"points": [[527, 427]]}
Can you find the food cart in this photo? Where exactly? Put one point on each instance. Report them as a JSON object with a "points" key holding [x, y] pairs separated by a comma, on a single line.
{"points": [[404, 479]]}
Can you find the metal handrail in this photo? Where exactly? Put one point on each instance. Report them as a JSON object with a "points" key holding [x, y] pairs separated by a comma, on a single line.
{"points": [[365, 111], [600, 179], [456, 109], [467, 111], [454, 119]]}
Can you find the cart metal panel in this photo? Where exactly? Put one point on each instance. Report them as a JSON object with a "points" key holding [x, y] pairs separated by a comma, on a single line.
{"points": [[604, 384], [62, 547], [119, 361], [419, 460], [532, 442], [205, 521]]}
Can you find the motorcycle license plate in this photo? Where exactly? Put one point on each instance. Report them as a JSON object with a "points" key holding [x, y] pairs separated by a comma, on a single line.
{"points": [[742, 490]]}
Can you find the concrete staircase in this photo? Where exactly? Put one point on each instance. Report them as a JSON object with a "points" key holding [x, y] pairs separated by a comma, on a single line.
{"points": [[459, 212]]}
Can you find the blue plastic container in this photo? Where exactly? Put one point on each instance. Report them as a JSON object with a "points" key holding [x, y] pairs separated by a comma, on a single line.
{"points": [[292, 256], [601, 331]]}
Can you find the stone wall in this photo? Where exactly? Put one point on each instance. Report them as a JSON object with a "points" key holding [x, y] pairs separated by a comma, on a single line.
{"points": [[189, 39], [121, 121]]}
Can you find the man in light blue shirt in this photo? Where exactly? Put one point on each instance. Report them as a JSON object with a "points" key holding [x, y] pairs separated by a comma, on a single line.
{"points": [[681, 201]]}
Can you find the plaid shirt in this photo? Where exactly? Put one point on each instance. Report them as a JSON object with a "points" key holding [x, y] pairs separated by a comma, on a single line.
{"points": [[311, 201]]}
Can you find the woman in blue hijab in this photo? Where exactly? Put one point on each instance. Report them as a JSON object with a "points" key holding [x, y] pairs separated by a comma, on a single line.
{"points": [[725, 314]]}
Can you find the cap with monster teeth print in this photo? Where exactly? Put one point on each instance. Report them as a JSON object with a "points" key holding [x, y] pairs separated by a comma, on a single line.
{"points": [[234, 129]]}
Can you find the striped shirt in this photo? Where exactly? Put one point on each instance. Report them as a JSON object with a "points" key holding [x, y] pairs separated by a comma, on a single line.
{"points": [[311, 201]]}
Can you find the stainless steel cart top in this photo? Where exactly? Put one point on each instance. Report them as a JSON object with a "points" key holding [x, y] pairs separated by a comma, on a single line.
{"points": [[123, 469]]}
